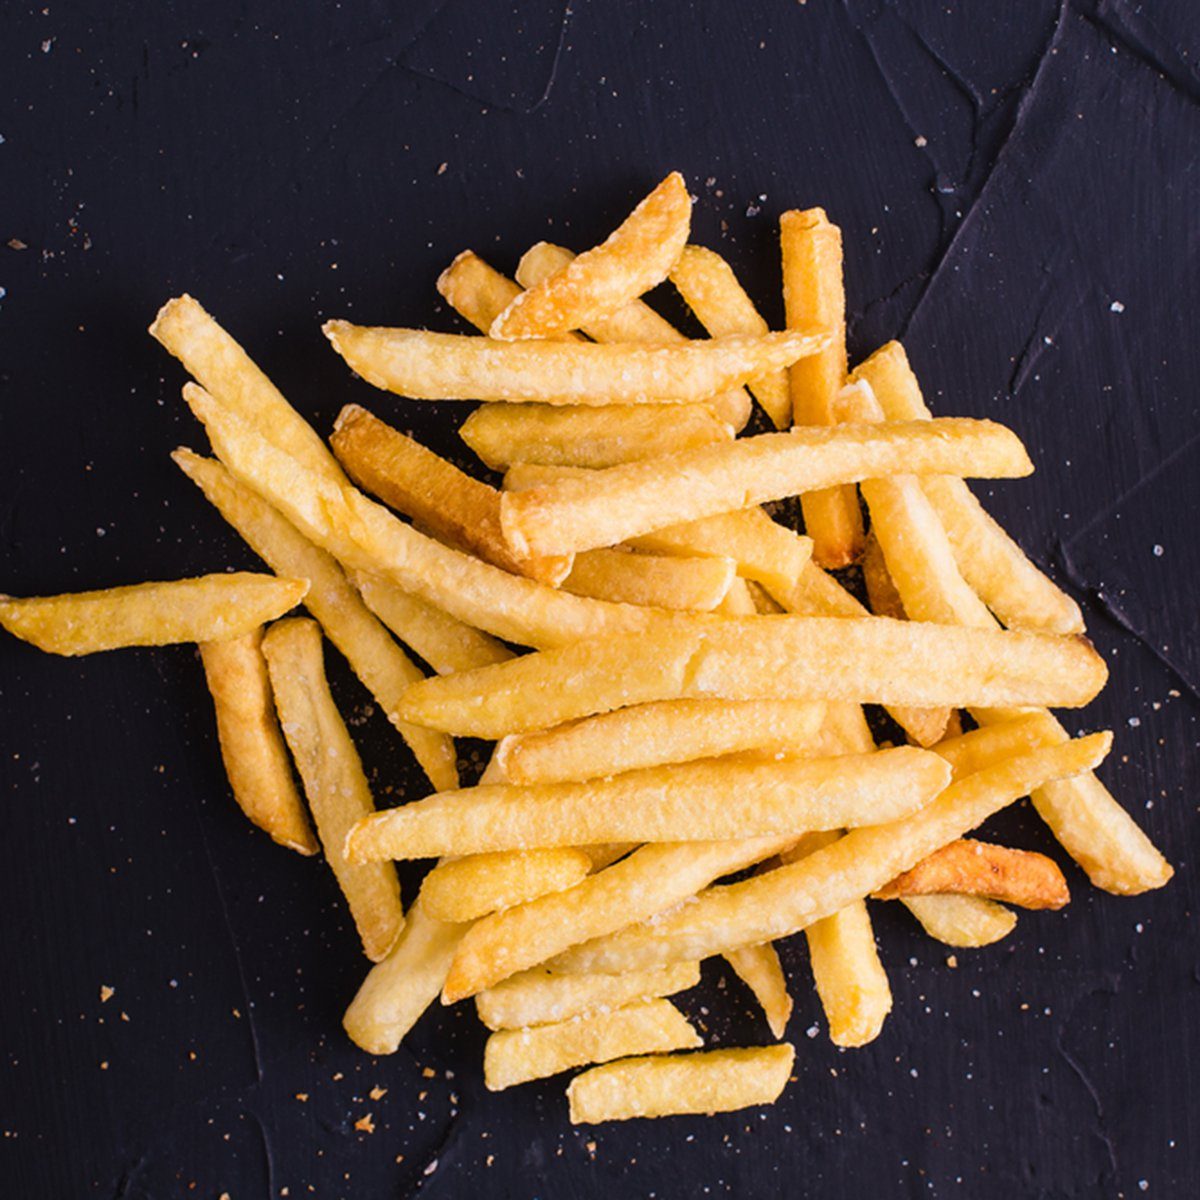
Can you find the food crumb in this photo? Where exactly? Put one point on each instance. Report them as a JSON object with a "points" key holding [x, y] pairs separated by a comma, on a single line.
{"points": [[106, 993], [921, 142], [952, 961], [365, 1124], [428, 1073], [104, 1065], [302, 1097], [442, 169], [377, 1092], [1116, 306]]}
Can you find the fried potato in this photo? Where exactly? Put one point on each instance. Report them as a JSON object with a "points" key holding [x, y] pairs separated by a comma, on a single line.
{"points": [[967, 922], [622, 502], [252, 749], [382, 666], [209, 608], [333, 778], [635, 257], [649, 735], [514, 1056], [669, 1085], [696, 584], [459, 510], [472, 887], [537, 997], [738, 601], [758, 967]]}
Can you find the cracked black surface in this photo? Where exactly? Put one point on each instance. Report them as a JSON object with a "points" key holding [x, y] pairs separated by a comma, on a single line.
{"points": [[1017, 188]]}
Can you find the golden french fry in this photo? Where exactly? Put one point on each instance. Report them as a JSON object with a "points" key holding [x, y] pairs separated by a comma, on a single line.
{"points": [[649, 735], [813, 290], [472, 887], [251, 744], [738, 601], [382, 666], [850, 979], [635, 257], [223, 368], [478, 291], [712, 291], [967, 922], [208, 608], [333, 777], [758, 967], [696, 584], [514, 1056], [460, 510], [537, 997], [669, 1085], [622, 502], [784, 901]]}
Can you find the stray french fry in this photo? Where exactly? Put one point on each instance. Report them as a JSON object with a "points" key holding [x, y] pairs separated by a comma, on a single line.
{"points": [[696, 584], [967, 922], [514, 1056], [537, 997], [333, 777], [759, 969], [669, 1085], [209, 608], [478, 291], [622, 502], [256, 761], [472, 887]]}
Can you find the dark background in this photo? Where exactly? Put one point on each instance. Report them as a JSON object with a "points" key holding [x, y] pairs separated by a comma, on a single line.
{"points": [[1017, 185]]}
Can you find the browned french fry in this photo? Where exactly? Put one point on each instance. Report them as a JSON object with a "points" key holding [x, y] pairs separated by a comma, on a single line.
{"points": [[882, 595], [963, 921], [479, 292], [468, 888], [696, 584], [333, 777], [759, 969], [251, 744], [669, 1085], [206, 609]]}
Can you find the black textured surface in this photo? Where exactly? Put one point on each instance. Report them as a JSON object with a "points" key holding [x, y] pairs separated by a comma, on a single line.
{"points": [[1017, 187]]}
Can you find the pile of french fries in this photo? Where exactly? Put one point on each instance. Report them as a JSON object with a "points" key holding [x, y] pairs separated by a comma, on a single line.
{"points": [[674, 680]]}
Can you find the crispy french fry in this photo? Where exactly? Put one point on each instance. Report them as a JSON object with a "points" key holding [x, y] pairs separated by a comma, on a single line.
{"points": [[606, 853], [758, 967], [635, 257], [987, 746], [649, 735], [882, 596], [479, 292], [975, 868], [445, 366], [374, 657], [537, 997], [460, 510], [813, 290], [333, 777], [256, 761], [622, 502], [701, 801], [850, 979], [669, 1085], [791, 898], [472, 887], [205, 609], [964, 921], [514, 1056], [696, 584]]}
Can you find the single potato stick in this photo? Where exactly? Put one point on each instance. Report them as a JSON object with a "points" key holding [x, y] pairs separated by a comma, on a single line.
{"points": [[333, 777], [382, 666], [702, 801], [649, 735], [967, 922], [974, 868], [813, 290], [635, 257], [514, 1056], [696, 584], [784, 901], [252, 749], [537, 997], [671, 1085], [622, 502], [209, 608], [471, 887], [712, 291], [447, 366], [758, 967], [456, 508]]}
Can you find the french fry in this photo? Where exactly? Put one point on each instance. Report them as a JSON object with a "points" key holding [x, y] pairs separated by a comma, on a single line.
{"points": [[208, 608], [711, 290], [622, 502], [813, 290], [649, 735], [701, 801], [738, 601], [223, 368], [606, 853], [333, 778], [382, 666], [784, 901], [456, 508], [537, 997], [252, 749], [967, 922], [669, 1085], [635, 257], [867, 660], [446, 366], [472, 887], [974, 868], [764, 603], [759, 969], [882, 596], [514, 1056], [697, 584]]}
